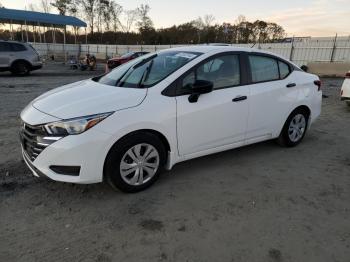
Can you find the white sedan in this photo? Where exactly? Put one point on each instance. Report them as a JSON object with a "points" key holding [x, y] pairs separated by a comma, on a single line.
{"points": [[163, 108], [345, 90]]}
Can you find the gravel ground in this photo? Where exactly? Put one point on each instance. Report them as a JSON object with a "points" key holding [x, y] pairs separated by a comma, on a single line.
{"points": [[257, 203]]}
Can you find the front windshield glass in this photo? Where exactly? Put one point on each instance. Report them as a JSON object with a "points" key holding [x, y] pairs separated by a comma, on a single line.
{"points": [[148, 70]]}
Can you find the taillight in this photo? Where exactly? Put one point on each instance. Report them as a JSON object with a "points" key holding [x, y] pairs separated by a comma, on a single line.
{"points": [[347, 75], [318, 84]]}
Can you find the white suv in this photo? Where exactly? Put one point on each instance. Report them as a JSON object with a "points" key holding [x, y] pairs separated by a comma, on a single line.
{"points": [[163, 108], [19, 58]]}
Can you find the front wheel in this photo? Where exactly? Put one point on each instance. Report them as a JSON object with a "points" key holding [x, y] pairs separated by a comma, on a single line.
{"points": [[294, 129], [135, 162]]}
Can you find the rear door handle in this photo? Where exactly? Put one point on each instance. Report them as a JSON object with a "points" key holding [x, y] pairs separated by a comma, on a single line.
{"points": [[239, 98], [291, 85]]}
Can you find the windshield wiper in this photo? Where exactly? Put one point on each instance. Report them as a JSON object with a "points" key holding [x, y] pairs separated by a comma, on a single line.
{"points": [[144, 61], [141, 63], [145, 75]]}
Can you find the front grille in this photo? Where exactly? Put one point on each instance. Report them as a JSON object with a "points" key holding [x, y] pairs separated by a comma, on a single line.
{"points": [[34, 140]]}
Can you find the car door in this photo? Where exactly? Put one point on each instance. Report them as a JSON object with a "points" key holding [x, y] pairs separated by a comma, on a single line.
{"points": [[218, 118], [5, 54], [273, 93]]}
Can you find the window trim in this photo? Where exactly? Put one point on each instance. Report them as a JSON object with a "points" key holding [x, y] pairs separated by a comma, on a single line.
{"points": [[242, 69], [277, 59]]}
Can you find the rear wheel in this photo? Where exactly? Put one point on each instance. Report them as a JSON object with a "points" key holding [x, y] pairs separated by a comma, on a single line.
{"points": [[294, 129], [135, 162], [20, 68]]}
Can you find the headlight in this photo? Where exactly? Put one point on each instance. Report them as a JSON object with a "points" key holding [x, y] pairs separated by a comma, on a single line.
{"points": [[75, 126]]}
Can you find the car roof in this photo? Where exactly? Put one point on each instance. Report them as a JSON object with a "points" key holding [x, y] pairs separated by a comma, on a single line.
{"points": [[12, 42], [219, 48]]}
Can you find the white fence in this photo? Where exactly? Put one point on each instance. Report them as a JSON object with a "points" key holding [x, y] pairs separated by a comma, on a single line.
{"points": [[312, 50]]}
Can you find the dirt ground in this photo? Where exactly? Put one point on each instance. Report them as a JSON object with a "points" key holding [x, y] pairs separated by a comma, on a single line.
{"points": [[257, 203]]}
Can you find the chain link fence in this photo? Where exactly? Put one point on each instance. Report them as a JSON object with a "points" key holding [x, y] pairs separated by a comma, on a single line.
{"points": [[300, 52]]}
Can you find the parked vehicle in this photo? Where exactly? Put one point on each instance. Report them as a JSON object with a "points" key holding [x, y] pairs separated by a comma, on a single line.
{"points": [[163, 108], [345, 90], [19, 58], [117, 61]]}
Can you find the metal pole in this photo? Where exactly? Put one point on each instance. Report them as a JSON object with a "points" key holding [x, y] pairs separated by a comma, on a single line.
{"points": [[26, 30], [34, 33], [39, 32], [334, 47], [86, 37], [75, 35], [52, 34], [292, 50], [22, 33], [45, 34], [64, 44], [11, 30]]}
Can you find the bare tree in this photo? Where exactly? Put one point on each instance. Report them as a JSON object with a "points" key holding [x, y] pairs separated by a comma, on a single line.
{"points": [[130, 17], [208, 20], [145, 22], [63, 6], [199, 25], [103, 15], [240, 19], [115, 11], [89, 8], [46, 6], [32, 7]]}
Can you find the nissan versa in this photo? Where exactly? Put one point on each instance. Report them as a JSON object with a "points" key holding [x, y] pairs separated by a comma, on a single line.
{"points": [[126, 126]]}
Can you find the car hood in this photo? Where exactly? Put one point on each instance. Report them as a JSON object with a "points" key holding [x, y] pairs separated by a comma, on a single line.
{"points": [[87, 98]]}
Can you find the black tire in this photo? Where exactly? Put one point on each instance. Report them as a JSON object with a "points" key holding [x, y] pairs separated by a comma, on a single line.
{"points": [[20, 68], [112, 174], [284, 138]]}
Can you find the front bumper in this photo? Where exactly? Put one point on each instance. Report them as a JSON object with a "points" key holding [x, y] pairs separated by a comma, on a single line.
{"points": [[87, 151]]}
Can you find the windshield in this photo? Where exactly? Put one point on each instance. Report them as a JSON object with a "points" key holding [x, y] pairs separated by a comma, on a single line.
{"points": [[147, 70]]}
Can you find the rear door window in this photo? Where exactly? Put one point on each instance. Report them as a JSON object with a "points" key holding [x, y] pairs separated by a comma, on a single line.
{"points": [[263, 68]]}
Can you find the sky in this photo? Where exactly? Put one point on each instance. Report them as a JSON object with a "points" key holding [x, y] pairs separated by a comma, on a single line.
{"points": [[298, 17]]}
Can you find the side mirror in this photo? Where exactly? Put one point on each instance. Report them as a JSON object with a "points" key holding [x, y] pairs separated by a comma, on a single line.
{"points": [[198, 88]]}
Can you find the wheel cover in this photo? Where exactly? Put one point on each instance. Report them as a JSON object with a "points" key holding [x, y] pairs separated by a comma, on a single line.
{"points": [[139, 164], [297, 127]]}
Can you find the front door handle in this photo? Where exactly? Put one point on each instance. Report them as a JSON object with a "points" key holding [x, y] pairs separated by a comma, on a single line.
{"points": [[291, 85], [239, 98]]}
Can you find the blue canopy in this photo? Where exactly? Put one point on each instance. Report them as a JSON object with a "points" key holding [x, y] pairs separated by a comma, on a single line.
{"points": [[35, 18]]}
